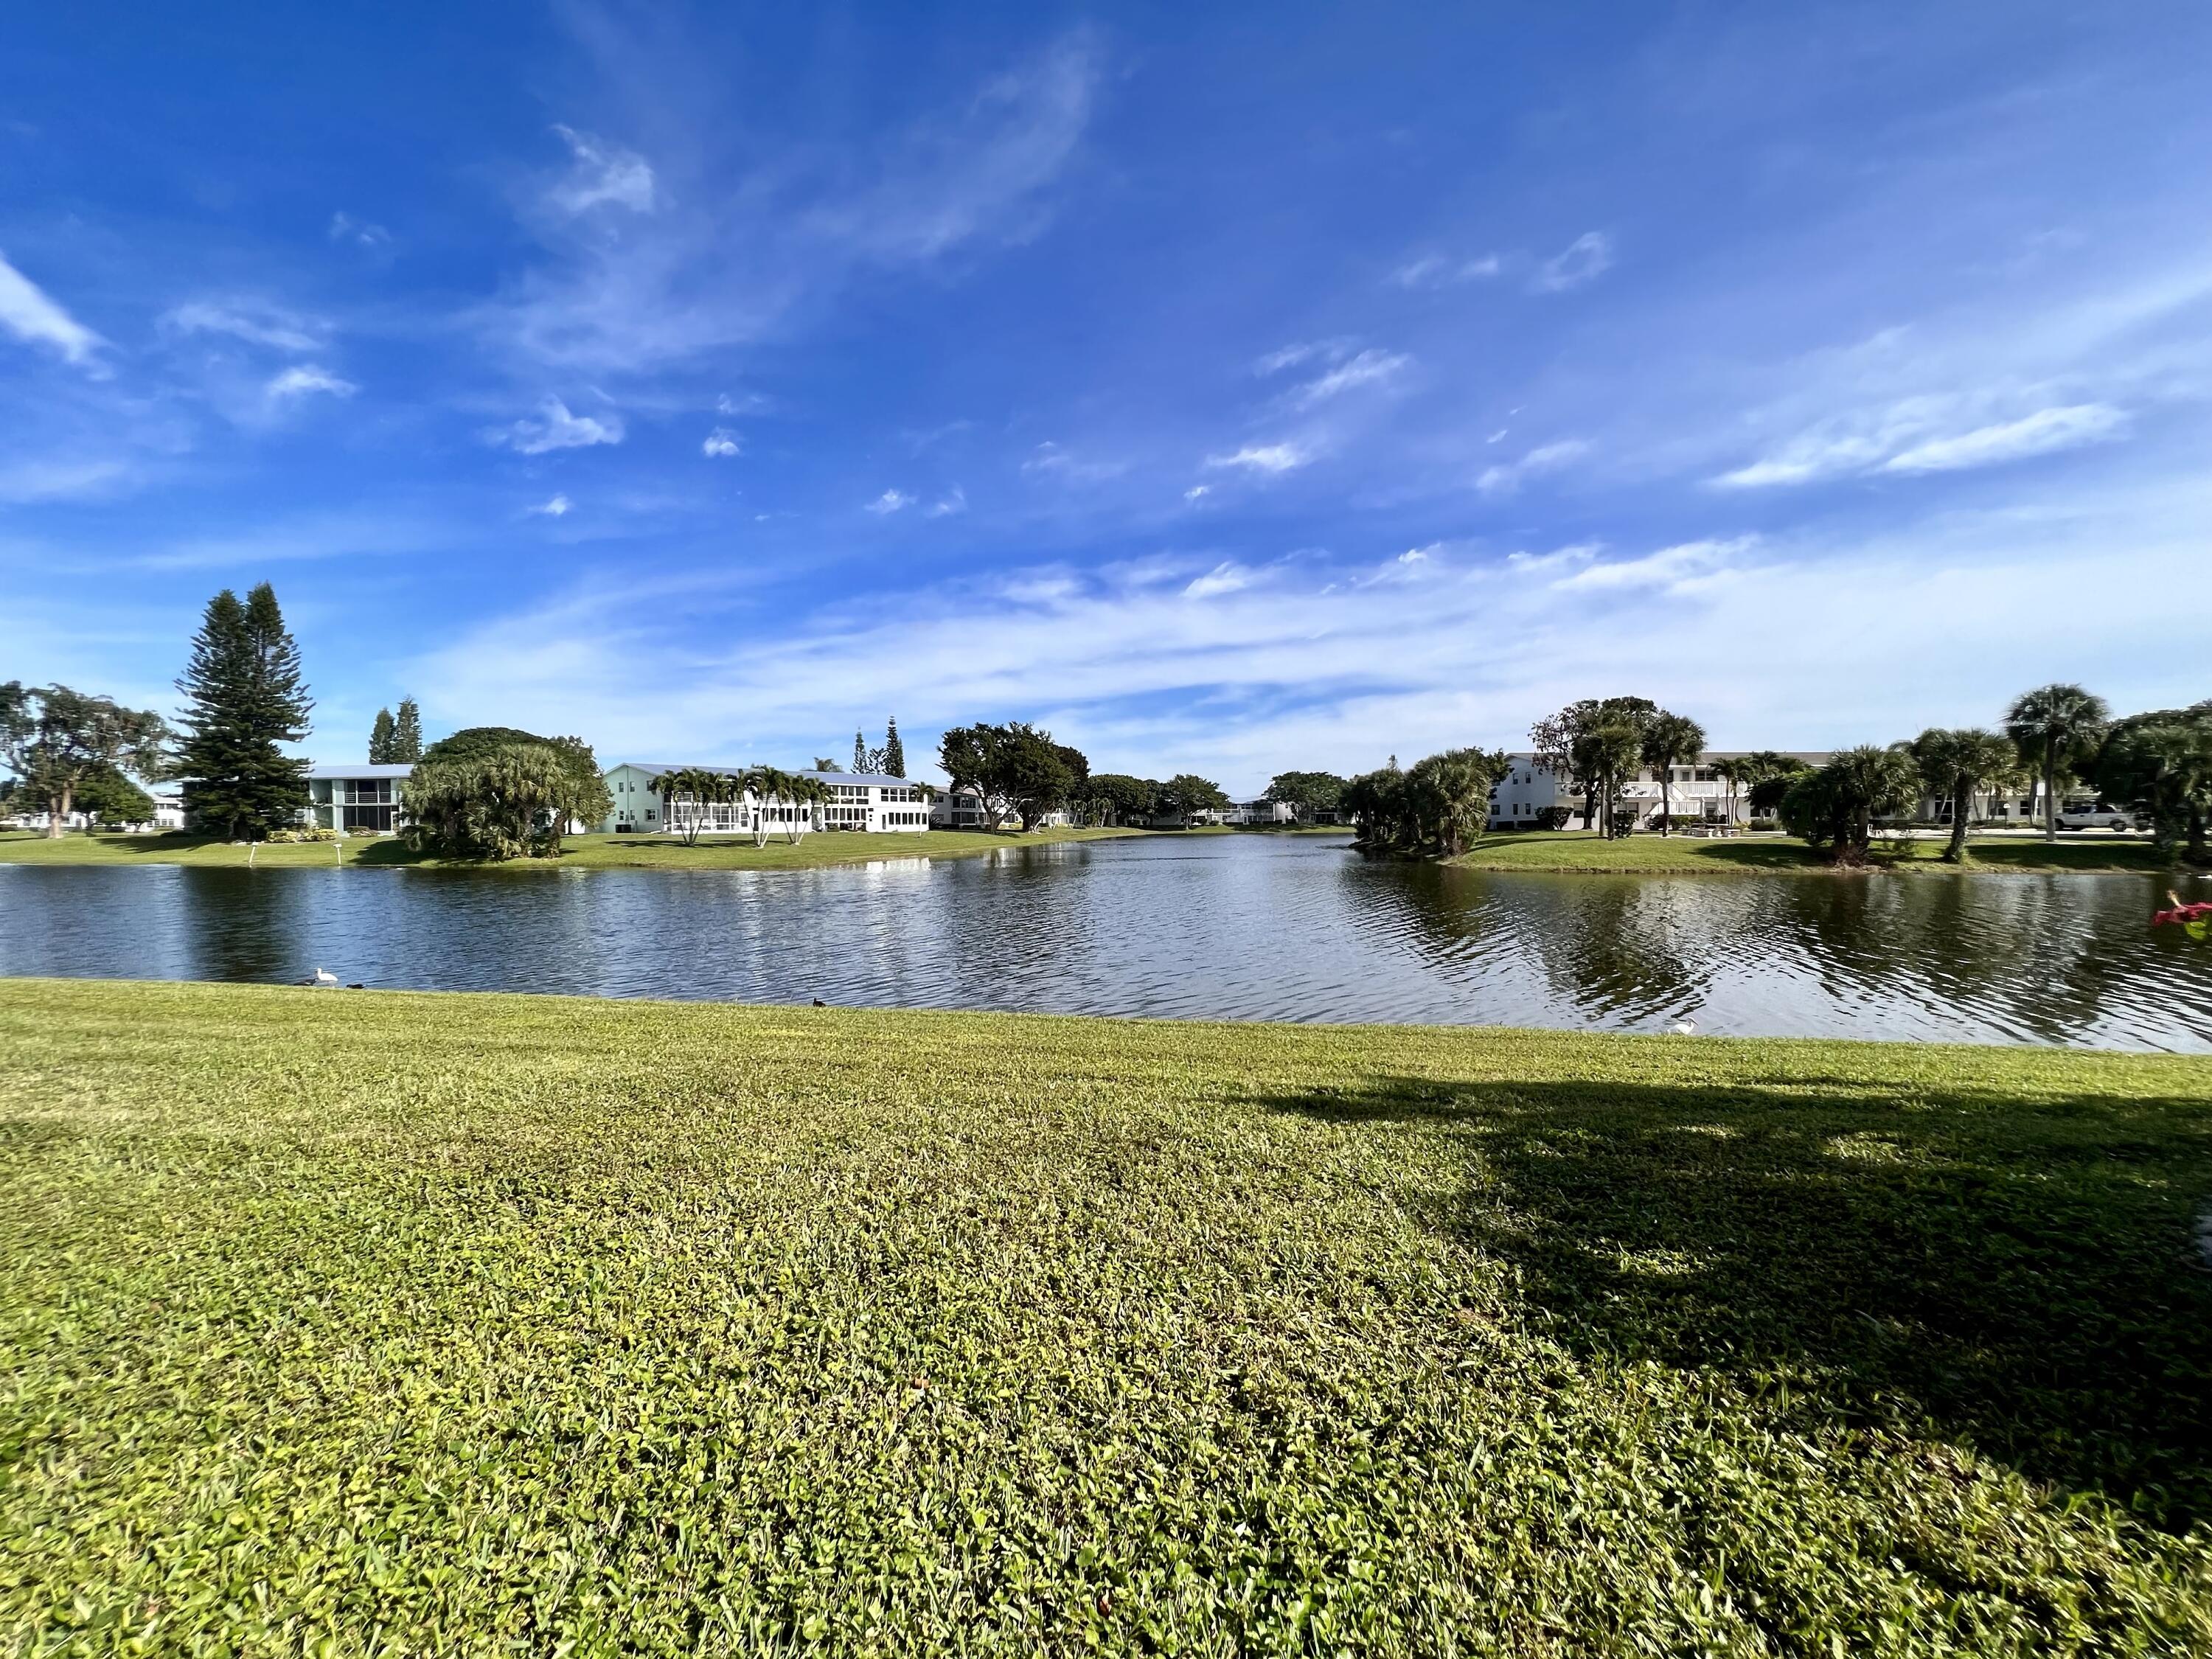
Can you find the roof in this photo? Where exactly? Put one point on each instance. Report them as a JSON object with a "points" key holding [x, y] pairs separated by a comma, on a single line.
{"points": [[364, 770], [656, 768]]}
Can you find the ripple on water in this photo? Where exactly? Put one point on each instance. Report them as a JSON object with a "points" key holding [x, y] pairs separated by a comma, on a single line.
{"points": [[1229, 927]]}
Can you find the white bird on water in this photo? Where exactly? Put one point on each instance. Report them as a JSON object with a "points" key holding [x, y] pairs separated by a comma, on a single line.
{"points": [[324, 976], [1683, 1027]]}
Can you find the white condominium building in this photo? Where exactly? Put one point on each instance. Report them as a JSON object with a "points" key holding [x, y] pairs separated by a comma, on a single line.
{"points": [[862, 801], [1527, 792]]}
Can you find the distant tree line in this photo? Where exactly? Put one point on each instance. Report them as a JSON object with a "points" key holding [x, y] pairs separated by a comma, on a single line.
{"points": [[1116, 798]]}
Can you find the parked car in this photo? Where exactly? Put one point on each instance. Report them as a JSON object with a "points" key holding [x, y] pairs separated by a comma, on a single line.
{"points": [[2095, 815]]}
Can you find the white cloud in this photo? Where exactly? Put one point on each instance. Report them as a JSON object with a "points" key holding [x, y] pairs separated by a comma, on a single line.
{"points": [[250, 320], [302, 379], [60, 480], [344, 227], [557, 507], [1589, 256], [737, 249], [1368, 369], [1436, 270], [556, 429], [947, 505], [720, 444], [1288, 357], [1678, 569], [890, 503], [1224, 578], [601, 174], [1197, 492], [1932, 433], [1503, 480], [2039, 434], [1052, 460], [1264, 457], [27, 313]]}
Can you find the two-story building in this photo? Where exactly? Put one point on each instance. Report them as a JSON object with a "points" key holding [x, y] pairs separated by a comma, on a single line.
{"points": [[1530, 795], [359, 800], [864, 802]]}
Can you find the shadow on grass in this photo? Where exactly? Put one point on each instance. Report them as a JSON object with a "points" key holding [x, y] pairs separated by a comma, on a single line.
{"points": [[2021, 1277]]}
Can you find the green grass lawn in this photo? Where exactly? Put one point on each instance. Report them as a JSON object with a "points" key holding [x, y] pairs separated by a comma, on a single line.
{"points": [[442, 1324], [1570, 850], [816, 852]]}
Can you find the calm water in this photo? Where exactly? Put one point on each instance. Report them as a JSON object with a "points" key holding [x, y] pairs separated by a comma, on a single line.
{"points": [[1230, 926]]}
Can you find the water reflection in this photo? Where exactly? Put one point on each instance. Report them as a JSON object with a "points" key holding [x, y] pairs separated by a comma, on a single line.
{"points": [[1226, 927]]}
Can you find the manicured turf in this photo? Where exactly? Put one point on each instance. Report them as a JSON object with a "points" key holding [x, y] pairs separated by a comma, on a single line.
{"points": [[441, 1324], [584, 852], [1572, 850]]}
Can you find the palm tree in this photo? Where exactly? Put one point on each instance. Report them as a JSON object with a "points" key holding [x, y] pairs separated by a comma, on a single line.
{"points": [[1836, 806], [1955, 763], [1669, 740], [2053, 726], [1608, 753]]}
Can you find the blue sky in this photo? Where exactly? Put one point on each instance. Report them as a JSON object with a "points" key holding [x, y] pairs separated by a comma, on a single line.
{"points": [[1228, 388]]}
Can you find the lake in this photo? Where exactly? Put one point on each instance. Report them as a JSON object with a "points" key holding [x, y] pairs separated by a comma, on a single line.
{"points": [[1215, 927]]}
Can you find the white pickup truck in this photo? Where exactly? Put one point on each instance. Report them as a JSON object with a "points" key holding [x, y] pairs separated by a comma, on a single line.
{"points": [[2095, 815]]}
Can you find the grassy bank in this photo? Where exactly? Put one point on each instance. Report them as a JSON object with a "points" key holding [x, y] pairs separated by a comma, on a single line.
{"points": [[1574, 850], [816, 852], [444, 1323]]}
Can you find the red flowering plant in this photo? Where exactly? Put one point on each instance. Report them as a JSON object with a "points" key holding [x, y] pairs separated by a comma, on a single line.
{"points": [[2194, 919]]}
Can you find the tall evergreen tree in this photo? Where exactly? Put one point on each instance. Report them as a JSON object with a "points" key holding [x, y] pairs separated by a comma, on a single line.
{"points": [[407, 734], [381, 739], [860, 751], [244, 696], [894, 751]]}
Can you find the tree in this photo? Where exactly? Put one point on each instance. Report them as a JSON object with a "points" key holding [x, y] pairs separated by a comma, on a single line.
{"points": [[60, 742], [108, 798], [1186, 795], [383, 736], [1953, 763], [407, 734], [1307, 794], [1768, 776], [1669, 740], [2056, 728], [1567, 747], [893, 750], [1835, 806], [1441, 803], [1606, 754], [695, 789], [1447, 796], [501, 802], [1012, 769], [585, 789], [1115, 797], [860, 756], [2161, 763], [244, 696]]}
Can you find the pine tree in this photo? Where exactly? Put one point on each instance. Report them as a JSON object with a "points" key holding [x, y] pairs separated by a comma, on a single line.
{"points": [[407, 734], [381, 739], [860, 751], [894, 751], [243, 697]]}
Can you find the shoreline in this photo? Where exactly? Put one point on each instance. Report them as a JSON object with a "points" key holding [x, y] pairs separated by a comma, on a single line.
{"points": [[819, 850], [1570, 853]]}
